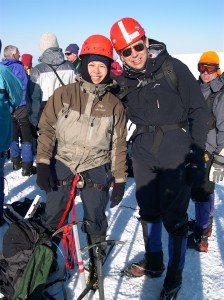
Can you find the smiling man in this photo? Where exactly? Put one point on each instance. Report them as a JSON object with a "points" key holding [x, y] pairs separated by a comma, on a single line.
{"points": [[165, 103]]}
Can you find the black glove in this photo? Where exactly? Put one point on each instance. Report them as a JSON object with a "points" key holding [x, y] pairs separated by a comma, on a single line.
{"points": [[196, 168], [216, 172], [117, 194], [44, 177]]}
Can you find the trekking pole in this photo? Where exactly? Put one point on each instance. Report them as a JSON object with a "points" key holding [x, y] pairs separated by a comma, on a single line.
{"points": [[79, 257]]}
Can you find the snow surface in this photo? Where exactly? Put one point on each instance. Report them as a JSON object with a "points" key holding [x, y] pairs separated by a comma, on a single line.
{"points": [[203, 274]]}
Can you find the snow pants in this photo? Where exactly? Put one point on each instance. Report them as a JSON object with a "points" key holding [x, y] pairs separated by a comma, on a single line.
{"points": [[94, 199], [22, 131], [163, 196]]}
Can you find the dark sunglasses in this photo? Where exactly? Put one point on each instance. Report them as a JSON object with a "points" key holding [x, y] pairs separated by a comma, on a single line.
{"points": [[127, 52], [209, 68], [68, 54]]}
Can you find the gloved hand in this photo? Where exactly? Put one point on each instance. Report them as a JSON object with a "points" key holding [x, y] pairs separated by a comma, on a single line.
{"points": [[195, 168], [216, 172], [117, 194], [44, 177]]}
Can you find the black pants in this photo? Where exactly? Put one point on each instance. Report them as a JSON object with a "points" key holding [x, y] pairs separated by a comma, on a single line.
{"points": [[21, 126], [163, 194], [94, 200]]}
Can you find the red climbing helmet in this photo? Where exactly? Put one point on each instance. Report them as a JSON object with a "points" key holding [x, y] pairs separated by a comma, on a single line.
{"points": [[97, 44], [125, 32]]}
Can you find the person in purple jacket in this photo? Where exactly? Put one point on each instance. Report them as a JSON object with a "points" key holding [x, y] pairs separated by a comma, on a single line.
{"points": [[21, 158]]}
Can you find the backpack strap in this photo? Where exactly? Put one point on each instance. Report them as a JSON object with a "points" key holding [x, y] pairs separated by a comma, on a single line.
{"points": [[53, 69], [167, 71], [170, 75]]}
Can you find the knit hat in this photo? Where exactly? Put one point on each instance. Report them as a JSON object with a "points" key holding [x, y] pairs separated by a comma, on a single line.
{"points": [[86, 59], [48, 40], [210, 57], [27, 60], [72, 48]]}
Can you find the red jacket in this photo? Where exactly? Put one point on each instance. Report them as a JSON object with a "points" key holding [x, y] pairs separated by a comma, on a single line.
{"points": [[116, 68]]}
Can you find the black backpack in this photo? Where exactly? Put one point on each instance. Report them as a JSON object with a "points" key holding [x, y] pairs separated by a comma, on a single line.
{"points": [[25, 261], [17, 210]]}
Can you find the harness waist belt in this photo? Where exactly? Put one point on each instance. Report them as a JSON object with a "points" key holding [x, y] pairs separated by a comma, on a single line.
{"points": [[159, 130], [98, 186], [155, 128]]}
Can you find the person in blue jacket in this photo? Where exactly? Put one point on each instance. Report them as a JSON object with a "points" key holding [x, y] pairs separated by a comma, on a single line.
{"points": [[21, 126], [10, 96]]}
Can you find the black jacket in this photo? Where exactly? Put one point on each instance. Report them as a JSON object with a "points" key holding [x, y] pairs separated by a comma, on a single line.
{"points": [[159, 104]]}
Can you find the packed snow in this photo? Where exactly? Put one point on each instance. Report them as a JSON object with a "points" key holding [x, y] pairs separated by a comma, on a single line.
{"points": [[203, 274]]}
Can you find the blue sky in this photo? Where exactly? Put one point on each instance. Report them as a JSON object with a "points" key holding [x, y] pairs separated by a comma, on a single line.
{"points": [[191, 26]]}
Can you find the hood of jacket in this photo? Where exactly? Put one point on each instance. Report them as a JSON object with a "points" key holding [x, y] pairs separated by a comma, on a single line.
{"points": [[214, 85], [52, 56], [157, 54]]}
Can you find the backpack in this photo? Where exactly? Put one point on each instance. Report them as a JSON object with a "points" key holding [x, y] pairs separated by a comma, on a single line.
{"points": [[18, 210], [25, 261], [34, 278], [167, 72]]}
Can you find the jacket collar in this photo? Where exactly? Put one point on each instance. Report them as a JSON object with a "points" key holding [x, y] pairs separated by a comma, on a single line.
{"points": [[157, 54], [96, 89]]}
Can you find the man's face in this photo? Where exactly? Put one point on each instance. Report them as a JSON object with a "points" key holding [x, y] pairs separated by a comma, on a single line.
{"points": [[135, 55], [71, 56]]}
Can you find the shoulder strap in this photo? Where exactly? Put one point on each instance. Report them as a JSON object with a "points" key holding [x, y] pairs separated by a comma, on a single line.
{"points": [[169, 73], [56, 74], [124, 89]]}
